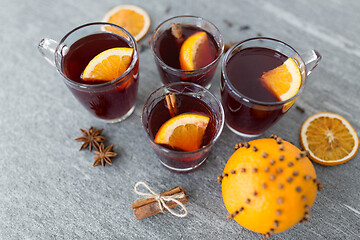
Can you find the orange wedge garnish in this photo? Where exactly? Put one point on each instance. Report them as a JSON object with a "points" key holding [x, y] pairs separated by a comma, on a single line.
{"points": [[184, 131], [108, 65], [284, 81], [195, 52], [133, 18], [329, 138]]}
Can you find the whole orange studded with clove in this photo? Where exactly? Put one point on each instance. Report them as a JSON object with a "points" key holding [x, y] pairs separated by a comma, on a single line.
{"points": [[269, 185]]}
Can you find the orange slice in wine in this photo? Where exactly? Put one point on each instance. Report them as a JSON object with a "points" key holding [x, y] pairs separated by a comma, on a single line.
{"points": [[184, 131], [283, 81], [108, 65], [195, 52]]}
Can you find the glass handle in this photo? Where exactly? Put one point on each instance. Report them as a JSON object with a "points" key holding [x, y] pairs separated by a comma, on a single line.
{"points": [[311, 60], [47, 48]]}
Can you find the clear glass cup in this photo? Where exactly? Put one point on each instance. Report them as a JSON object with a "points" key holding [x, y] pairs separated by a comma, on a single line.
{"points": [[201, 76], [248, 117], [111, 101], [181, 161]]}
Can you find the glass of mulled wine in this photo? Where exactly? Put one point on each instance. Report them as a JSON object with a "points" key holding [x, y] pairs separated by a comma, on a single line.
{"points": [[110, 100], [187, 49], [183, 121], [261, 79]]}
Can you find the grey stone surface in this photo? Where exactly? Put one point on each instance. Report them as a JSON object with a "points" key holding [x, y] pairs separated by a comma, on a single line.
{"points": [[49, 190]]}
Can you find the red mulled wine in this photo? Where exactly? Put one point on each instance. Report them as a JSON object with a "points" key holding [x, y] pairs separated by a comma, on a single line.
{"points": [[244, 70], [110, 102], [167, 48], [185, 104]]}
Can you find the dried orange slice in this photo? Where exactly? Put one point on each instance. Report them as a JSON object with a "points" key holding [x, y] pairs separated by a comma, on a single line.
{"points": [[108, 65], [195, 52], [329, 138], [133, 18], [184, 131], [283, 81]]}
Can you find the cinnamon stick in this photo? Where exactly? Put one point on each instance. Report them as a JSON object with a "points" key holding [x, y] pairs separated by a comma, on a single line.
{"points": [[171, 103], [143, 201], [176, 30], [146, 207]]}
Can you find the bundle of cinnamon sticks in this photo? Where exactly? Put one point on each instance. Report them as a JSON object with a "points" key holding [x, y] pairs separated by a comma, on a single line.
{"points": [[146, 207]]}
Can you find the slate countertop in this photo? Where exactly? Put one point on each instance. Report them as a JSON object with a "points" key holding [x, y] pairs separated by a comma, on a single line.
{"points": [[49, 190]]}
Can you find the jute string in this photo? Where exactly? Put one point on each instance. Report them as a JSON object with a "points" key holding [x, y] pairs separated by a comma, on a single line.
{"points": [[163, 199]]}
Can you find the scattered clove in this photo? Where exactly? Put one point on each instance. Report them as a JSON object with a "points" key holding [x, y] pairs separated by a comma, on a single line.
{"points": [[228, 23], [302, 110], [244, 27]]}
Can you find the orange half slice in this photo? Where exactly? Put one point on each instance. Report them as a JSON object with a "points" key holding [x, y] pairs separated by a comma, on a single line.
{"points": [[196, 52], [184, 131], [108, 65], [283, 81]]}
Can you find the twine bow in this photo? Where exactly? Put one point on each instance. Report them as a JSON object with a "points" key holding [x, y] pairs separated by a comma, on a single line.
{"points": [[162, 199]]}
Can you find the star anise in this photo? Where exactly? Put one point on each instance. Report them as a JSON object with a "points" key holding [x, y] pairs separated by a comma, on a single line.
{"points": [[103, 155], [90, 138]]}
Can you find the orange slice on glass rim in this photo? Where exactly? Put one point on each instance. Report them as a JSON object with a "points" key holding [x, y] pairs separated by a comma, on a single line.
{"points": [[133, 18], [108, 65], [284, 81], [195, 52], [329, 138], [184, 131]]}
